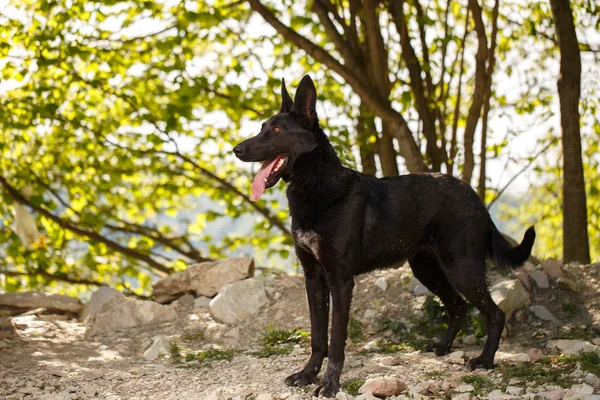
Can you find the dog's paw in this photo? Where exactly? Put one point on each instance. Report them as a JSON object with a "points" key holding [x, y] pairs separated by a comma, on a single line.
{"points": [[329, 388], [440, 349], [301, 378], [480, 363]]}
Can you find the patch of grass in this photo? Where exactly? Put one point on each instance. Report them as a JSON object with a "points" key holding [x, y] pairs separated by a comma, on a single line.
{"points": [[589, 362], [355, 331], [205, 357], [391, 347], [175, 352], [277, 341], [481, 384], [193, 337], [352, 386], [395, 325], [548, 370], [437, 375], [569, 309]]}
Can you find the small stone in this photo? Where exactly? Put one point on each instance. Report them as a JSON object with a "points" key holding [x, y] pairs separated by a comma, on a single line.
{"points": [[366, 396], [567, 283], [233, 333], [553, 268], [160, 346], [381, 283], [420, 290], [456, 344], [264, 396], [279, 314], [297, 397], [544, 314], [339, 396], [469, 340], [524, 278], [596, 341], [558, 394], [355, 363], [592, 380], [521, 358], [572, 347], [535, 355], [217, 395], [202, 302], [391, 361], [510, 295], [372, 345], [515, 390], [464, 388], [520, 315], [540, 278], [456, 357], [578, 391], [93, 374], [462, 396], [370, 313], [239, 300], [384, 387]]}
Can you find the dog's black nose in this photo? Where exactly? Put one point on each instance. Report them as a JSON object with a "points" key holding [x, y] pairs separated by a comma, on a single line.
{"points": [[239, 150]]}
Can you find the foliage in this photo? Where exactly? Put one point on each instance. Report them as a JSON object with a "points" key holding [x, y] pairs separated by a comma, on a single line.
{"points": [[278, 341], [355, 330], [352, 386]]}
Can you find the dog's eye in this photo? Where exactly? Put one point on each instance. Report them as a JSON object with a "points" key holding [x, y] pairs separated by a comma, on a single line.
{"points": [[277, 129]]}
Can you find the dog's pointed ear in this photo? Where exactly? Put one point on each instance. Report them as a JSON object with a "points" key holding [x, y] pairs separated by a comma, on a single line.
{"points": [[286, 100], [306, 98]]}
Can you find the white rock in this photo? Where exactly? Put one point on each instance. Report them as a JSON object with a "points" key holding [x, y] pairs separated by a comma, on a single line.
{"points": [[540, 278], [124, 312], [264, 396], [381, 283], [515, 390], [544, 314], [456, 357], [383, 387], [297, 397], [469, 340], [596, 341], [339, 396], [573, 347], [203, 279], [366, 396], [591, 397], [159, 346], [521, 358], [421, 290], [464, 388], [510, 295], [202, 302], [577, 392], [100, 297], [217, 395], [369, 313], [592, 380], [553, 268], [239, 300], [462, 396]]}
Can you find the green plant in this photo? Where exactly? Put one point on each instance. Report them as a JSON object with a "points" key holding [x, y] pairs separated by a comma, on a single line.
{"points": [[355, 330], [481, 383], [175, 351], [353, 385], [277, 341]]}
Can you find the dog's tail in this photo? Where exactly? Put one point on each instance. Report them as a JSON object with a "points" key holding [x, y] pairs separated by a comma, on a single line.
{"points": [[502, 251]]}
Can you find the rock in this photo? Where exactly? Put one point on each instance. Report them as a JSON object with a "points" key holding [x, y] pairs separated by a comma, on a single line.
{"points": [[573, 347], [456, 357], [558, 394], [510, 295], [383, 387], [7, 328], [202, 302], [567, 283], [420, 290], [264, 396], [469, 340], [203, 279], [186, 301], [366, 396], [160, 346], [524, 278], [540, 278], [515, 390], [233, 333], [553, 268], [20, 302], [124, 312], [464, 388], [238, 301], [381, 283], [521, 315], [297, 397], [93, 374], [391, 361], [462, 396], [544, 314], [355, 363], [591, 397], [595, 341], [578, 392], [535, 355], [521, 358], [339, 396], [217, 395], [370, 314], [101, 296], [592, 380]]}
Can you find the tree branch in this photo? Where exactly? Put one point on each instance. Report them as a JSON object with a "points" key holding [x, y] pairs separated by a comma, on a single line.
{"points": [[15, 195], [54, 277]]}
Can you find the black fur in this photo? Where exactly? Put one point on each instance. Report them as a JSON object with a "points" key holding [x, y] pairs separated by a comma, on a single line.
{"points": [[346, 223]]}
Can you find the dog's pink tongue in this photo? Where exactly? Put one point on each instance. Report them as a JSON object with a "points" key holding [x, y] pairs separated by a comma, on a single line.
{"points": [[258, 186]]}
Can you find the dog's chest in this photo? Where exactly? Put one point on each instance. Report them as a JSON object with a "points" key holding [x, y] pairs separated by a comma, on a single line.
{"points": [[308, 240]]}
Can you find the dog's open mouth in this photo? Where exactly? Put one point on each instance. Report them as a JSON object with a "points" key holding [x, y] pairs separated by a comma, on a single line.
{"points": [[269, 174]]}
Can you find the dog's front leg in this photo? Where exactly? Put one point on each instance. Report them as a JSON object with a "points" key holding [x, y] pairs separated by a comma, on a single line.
{"points": [[341, 294], [318, 303]]}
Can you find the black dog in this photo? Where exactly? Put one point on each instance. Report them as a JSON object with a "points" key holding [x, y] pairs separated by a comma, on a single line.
{"points": [[346, 223]]}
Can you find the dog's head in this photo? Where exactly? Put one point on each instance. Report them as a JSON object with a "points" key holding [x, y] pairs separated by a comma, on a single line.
{"points": [[283, 137]]}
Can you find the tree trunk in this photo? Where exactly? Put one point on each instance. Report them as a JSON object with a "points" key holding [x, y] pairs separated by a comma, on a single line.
{"points": [[364, 129], [575, 235]]}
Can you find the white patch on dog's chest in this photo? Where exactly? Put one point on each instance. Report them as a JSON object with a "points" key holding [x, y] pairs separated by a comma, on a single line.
{"points": [[308, 240]]}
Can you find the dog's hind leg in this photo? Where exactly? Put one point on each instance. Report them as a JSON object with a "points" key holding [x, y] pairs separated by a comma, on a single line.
{"points": [[426, 269], [318, 302], [468, 277]]}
